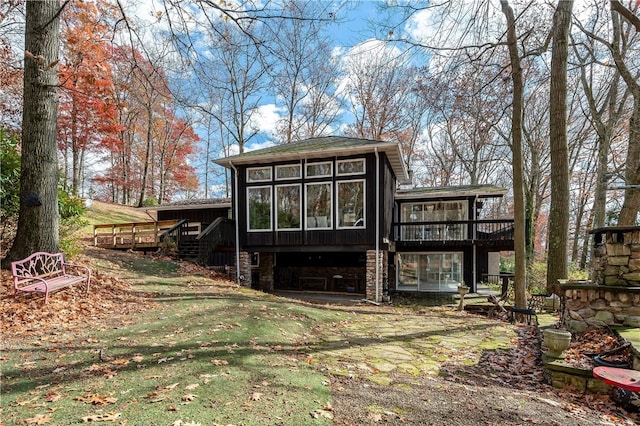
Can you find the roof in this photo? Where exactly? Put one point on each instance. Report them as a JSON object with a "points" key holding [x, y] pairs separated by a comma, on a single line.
{"points": [[485, 191], [192, 204], [321, 147]]}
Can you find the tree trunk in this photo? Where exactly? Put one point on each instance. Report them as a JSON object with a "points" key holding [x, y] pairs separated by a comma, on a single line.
{"points": [[147, 159], [517, 164], [631, 205], [38, 216], [558, 231]]}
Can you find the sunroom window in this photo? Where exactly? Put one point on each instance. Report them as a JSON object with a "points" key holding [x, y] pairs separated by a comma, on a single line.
{"points": [[429, 271], [444, 212], [288, 171], [258, 174], [351, 204], [259, 208], [315, 170], [288, 203], [318, 208], [350, 167]]}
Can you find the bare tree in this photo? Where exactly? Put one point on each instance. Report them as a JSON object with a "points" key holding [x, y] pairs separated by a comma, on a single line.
{"points": [[621, 17], [302, 65], [557, 259], [516, 148]]}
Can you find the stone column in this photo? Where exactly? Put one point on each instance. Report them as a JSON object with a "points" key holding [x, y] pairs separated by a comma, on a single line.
{"points": [[245, 269], [266, 271], [383, 273]]}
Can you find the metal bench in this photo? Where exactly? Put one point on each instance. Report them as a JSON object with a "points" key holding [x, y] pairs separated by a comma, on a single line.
{"points": [[45, 273]]}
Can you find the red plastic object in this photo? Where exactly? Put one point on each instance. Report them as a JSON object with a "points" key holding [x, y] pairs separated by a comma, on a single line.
{"points": [[619, 377]]}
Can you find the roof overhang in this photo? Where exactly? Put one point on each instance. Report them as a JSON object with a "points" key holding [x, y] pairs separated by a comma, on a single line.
{"points": [[187, 206], [464, 191], [391, 150]]}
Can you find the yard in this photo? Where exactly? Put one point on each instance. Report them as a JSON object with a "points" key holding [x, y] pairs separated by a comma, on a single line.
{"points": [[164, 343]]}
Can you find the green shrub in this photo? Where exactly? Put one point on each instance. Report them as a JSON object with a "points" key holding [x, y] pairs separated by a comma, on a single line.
{"points": [[71, 209], [9, 174]]}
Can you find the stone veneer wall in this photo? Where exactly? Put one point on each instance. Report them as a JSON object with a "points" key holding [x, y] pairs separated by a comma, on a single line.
{"points": [[614, 296], [617, 257], [266, 272], [383, 259]]}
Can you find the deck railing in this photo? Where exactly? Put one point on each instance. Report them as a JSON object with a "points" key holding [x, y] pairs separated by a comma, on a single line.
{"points": [[457, 230], [133, 235]]}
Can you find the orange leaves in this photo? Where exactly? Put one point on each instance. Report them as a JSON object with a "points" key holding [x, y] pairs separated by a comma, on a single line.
{"points": [[69, 310]]}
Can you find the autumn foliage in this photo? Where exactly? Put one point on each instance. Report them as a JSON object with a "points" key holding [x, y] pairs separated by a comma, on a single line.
{"points": [[120, 135]]}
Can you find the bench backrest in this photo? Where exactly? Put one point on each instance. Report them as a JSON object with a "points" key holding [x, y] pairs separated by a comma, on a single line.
{"points": [[40, 264]]}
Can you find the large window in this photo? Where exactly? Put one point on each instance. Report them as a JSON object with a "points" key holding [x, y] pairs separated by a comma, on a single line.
{"points": [[259, 203], [319, 208], [429, 271], [440, 211], [351, 204], [288, 210]]}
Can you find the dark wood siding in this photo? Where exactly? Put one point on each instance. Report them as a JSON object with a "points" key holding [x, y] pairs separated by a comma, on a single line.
{"points": [[207, 215]]}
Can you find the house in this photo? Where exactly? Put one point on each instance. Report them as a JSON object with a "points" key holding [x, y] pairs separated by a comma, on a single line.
{"points": [[440, 240], [325, 214]]}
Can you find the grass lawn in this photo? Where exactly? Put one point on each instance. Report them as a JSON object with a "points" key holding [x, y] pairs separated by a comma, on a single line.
{"points": [[200, 355]]}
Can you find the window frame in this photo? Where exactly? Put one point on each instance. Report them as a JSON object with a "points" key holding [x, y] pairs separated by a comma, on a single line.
{"points": [[248, 207], [364, 204], [277, 210], [250, 169], [354, 160], [330, 225], [282, 166], [307, 165]]}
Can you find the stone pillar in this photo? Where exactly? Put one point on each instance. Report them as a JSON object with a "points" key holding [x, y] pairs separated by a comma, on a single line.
{"points": [[383, 273], [245, 269], [266, 271]]}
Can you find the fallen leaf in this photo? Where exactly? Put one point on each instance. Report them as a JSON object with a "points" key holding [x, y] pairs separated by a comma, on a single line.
{"points": [[38, 419], [192, 386], [256, 396], [220, 362], [96, 399], [101, 417], [189, 398]]}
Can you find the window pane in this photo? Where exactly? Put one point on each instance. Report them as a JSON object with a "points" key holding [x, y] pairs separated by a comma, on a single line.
{"points": [[259, 206], [319, 205], [407, 271], [319, 170], [350, 167], [351, 203], [288, 200], [259, 174], [288, 172]]}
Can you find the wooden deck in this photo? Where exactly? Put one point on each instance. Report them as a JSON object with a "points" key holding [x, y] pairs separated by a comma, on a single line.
{"points": [[133, 235]]}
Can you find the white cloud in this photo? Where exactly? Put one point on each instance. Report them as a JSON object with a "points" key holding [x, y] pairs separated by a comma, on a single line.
{"points": [[266, 119]]}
